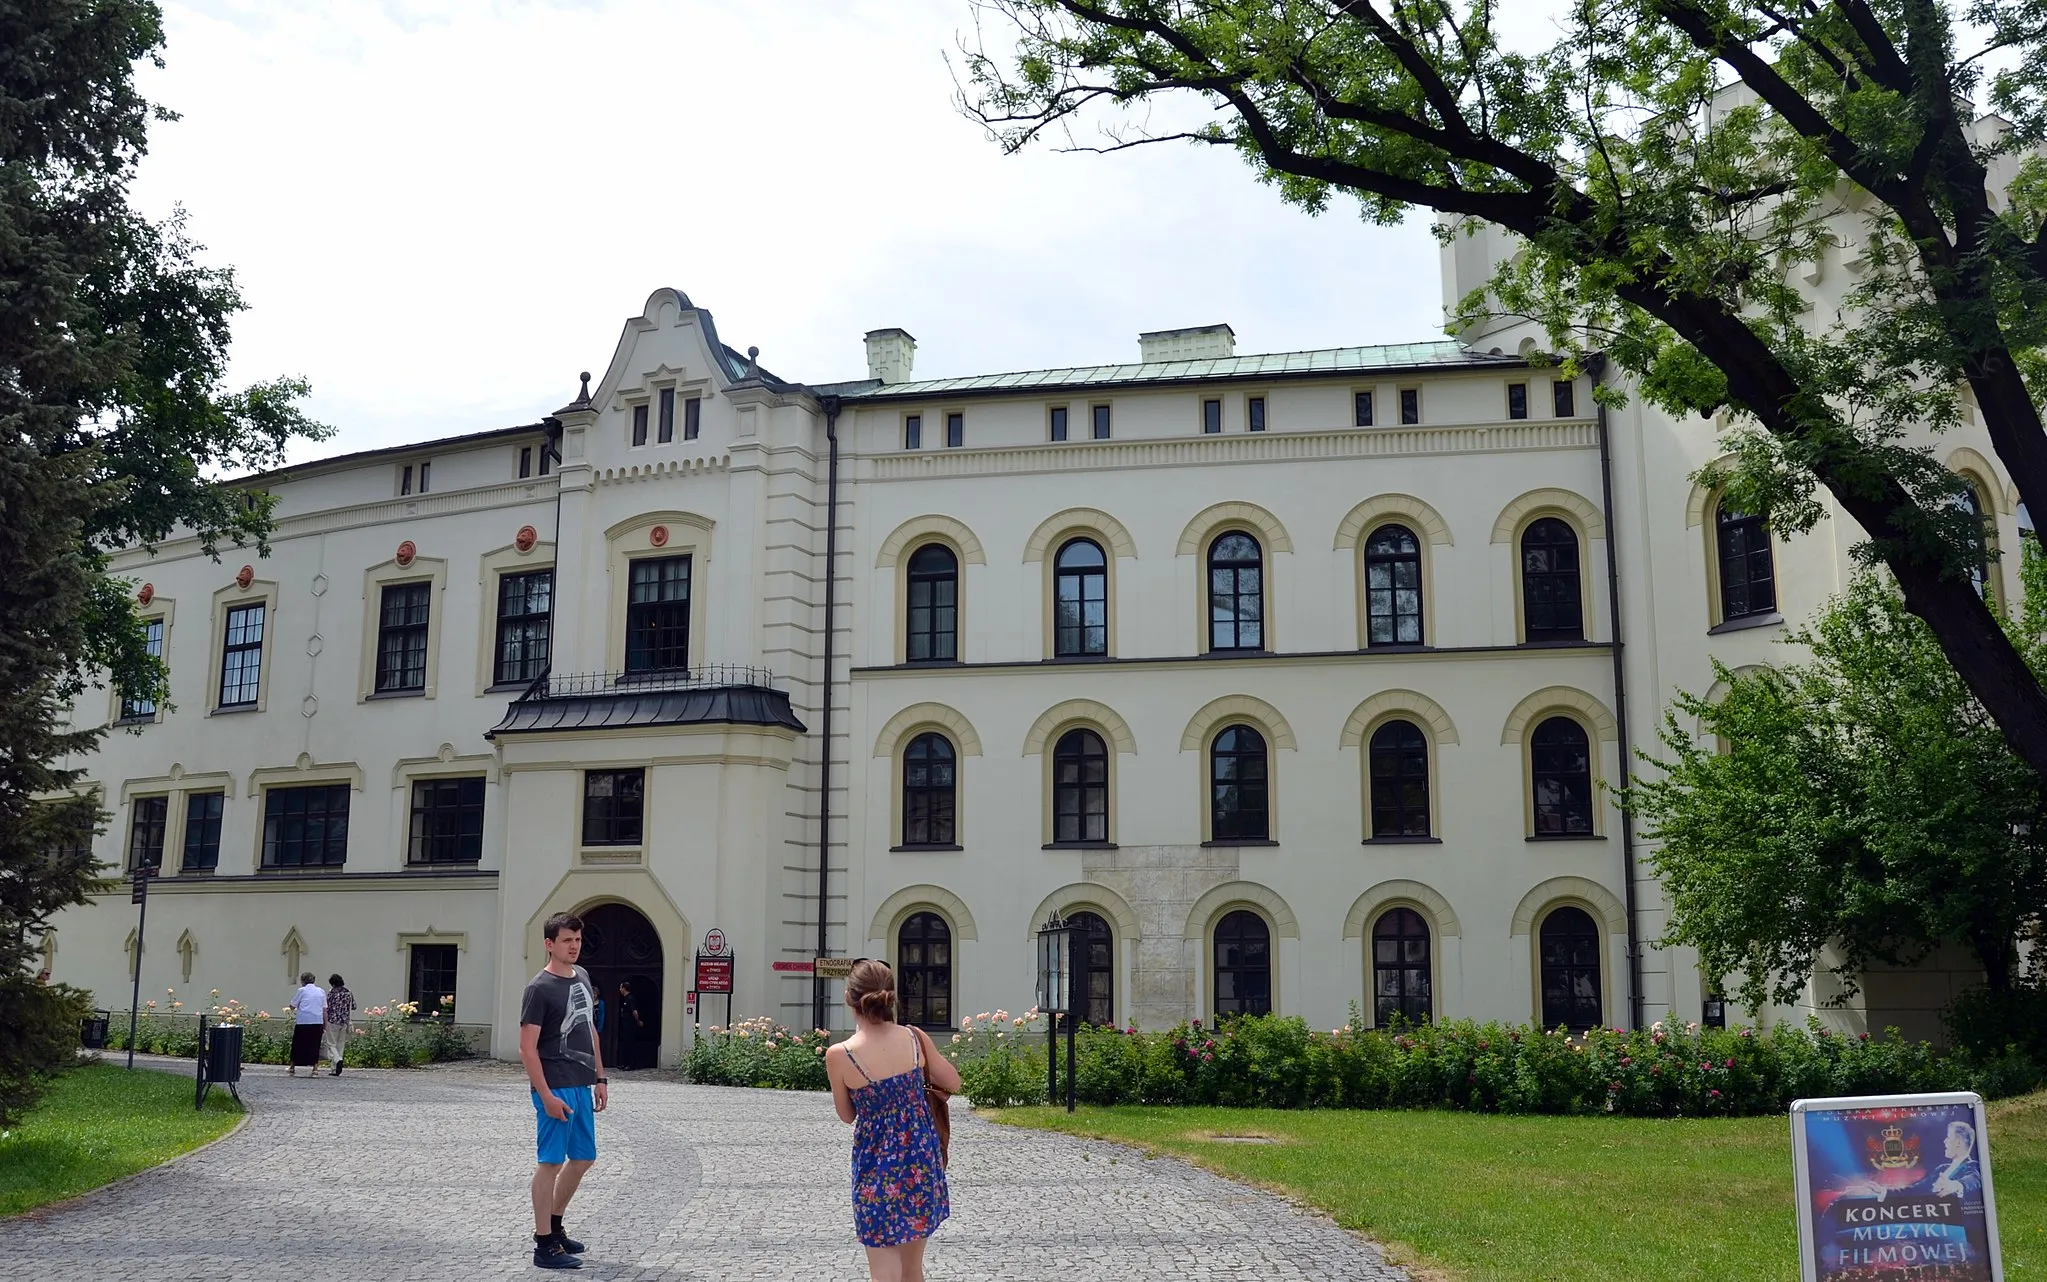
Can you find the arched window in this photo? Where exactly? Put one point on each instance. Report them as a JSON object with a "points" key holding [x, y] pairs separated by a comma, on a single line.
{"points": [[1236, 593], [924, 971], [1400, 780], [1080, 789], [1237, 799], [1570, 971], [1970, 504], [1748, 575], [1552, 605], [1243, 965], [1094, 974], [1080, 600], [933, 606], [1560, 765], [1393, 587], [930, 792], [1401, 983]]}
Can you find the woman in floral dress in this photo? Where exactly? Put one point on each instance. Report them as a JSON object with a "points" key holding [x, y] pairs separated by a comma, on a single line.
{"points": [[877, 1076]]}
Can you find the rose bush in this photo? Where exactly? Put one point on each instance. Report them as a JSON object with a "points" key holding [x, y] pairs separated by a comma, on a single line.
{"points": [[391, 1035]]}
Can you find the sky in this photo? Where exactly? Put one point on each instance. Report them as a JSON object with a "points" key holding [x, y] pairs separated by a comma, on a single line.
{"points": [[440, 211]]}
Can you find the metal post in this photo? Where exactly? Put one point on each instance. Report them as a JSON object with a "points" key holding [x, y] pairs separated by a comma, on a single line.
{"points": [[135, 994], [1071, 1020], [1051, 1059], [199, 1086]]}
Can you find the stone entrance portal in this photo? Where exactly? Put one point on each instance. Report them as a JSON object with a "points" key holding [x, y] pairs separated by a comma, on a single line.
{"points": [[620, 946]]}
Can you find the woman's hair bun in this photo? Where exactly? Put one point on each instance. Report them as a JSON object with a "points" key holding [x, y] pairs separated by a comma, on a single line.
{"points": [[871, 991]]}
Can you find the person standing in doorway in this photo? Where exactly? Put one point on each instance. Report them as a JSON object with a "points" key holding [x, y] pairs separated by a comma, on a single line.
{"points": [[878, 1077], [632, 1027], [309, 1021], [340, 1017], [565, 1068]]}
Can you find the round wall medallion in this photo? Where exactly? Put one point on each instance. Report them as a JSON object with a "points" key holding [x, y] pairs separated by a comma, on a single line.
{"points": [[658, 536], [525, 538], [245, 576], [147, 594], [406, 551]]}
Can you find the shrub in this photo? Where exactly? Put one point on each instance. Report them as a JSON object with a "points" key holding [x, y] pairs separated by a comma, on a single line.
{"points": [[758, 1052], [1001, 1062], [42, 1041], [392, 1035]]}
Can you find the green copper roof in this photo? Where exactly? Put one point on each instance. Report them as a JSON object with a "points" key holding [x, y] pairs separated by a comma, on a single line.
{"points": [[1330, 361]]}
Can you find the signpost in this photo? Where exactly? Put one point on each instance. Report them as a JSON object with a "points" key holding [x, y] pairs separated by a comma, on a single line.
{"points": [[713, 971], [1894, 1184], [832, 967], [138, 895]]}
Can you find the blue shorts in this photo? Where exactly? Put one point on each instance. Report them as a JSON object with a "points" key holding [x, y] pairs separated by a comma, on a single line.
{"points": [[571, 1140]]}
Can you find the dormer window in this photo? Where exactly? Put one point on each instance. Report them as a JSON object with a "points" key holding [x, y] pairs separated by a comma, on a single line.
{"points": [[692, 418], [667, 427], [639, 425]]}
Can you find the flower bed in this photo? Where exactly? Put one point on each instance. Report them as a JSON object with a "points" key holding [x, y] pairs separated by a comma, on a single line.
{"points": [[1272, 1062], [391, 1035]]}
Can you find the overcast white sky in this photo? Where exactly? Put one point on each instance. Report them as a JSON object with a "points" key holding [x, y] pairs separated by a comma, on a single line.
{"points": [[441, 210]]}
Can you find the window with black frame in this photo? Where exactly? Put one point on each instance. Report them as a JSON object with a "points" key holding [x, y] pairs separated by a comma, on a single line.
{"points": [[133, 709], [525, 640], [930, 792], [1243, 965], [1080, 601], [924, 971], [1551, 604], [1393, 587], [150, 817], [1080, 789], [1236, 593], [1237, 796], [430, 986], [1970, 504], [1569, 946], [241, 659], [932, 598], [1748, 573], [1399, 763], [447, 821], [306, 827], [1094, 974], [657, 615], [402, 637], [614, 807], [1560, 766], [1402, 987], [203, 812]]}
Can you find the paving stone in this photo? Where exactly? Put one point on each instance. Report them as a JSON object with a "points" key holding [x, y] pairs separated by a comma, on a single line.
{"points": [[420, 1175]]}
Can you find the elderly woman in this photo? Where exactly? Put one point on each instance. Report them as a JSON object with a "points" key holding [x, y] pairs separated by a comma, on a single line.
{"points": [[309, 1021], [340, 1015]]}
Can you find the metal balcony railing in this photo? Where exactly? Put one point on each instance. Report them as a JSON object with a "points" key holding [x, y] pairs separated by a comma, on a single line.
{"points": [[707, 676]]}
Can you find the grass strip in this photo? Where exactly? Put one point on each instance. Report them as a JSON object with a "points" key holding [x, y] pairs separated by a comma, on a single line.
{"points": [[98, 1124]]}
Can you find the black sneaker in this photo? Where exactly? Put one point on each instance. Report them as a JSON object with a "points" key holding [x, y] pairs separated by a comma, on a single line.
{"points": [[551, 1254], [568, 1243]]}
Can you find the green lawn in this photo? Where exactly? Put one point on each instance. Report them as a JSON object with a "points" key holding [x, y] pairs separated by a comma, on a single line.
{"points": [[1477, 1198], [98, 1124]]}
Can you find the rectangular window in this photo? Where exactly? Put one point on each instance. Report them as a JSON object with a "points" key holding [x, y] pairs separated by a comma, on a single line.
{"points": [[639, 425], [1564, 396], [1058, 422], [546, 459], [1361, 409], [1256, 412], [1101, 422], [667, 425], [614, 806], [241, 659], [525, 626], [955, 431], [692, 418], [447, 821], [1517, 400], [402, 637], [405, 480], [145, 832], [1211, 418], [426, 471], [657, 615], [306, 827], [145, 709], [525, 461], [1410, 405], [202, 831], [431, 983], [913, 431]]}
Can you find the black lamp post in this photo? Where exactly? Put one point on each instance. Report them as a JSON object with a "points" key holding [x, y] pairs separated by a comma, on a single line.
{"points": [[1055, 998]]}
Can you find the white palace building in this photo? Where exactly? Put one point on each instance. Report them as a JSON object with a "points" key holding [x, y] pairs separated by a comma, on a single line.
{"points": [[1300, 675]]}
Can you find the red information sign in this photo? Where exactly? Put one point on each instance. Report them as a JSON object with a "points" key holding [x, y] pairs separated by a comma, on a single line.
{"points": [[798, 967], [714, 974]]}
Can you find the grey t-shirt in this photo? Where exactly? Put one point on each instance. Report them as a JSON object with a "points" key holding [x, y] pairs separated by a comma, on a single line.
{"points": [[565, 1009]]}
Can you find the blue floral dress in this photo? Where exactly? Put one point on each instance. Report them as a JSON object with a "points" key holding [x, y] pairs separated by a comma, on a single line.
{"points": [[899, 1192]]}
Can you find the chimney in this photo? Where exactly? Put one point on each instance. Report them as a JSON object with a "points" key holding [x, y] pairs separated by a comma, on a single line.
{"points": [[1201, 343], [889, 354]]}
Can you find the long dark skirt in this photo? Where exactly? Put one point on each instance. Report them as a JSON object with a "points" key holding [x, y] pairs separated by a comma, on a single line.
{"points": [[305, 1044]]}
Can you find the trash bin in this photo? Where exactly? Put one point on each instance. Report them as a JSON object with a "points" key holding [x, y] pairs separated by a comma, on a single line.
{"points": [[224, 1054], [92, 1030]]}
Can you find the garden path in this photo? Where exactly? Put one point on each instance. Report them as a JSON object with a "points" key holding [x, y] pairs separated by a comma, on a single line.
{"points": [[421, 1175]]}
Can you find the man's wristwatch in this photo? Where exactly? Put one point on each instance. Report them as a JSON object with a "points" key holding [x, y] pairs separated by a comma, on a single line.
{"points": [[604, 1081]]}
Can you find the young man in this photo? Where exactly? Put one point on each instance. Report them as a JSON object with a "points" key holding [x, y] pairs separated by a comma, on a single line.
{"points": [[558, 1044]]}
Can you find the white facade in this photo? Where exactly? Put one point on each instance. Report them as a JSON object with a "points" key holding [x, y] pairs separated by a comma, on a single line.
{"points": [[739, 482]]}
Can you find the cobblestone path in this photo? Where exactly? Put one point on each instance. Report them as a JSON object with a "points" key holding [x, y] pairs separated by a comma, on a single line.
{"points": [[421, 1176]]}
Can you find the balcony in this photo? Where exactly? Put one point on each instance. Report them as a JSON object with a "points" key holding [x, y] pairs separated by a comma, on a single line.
{"points": [[711, 694]]}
